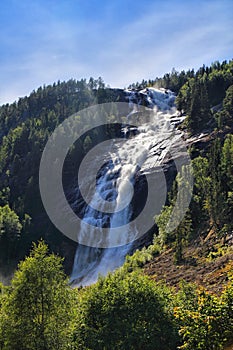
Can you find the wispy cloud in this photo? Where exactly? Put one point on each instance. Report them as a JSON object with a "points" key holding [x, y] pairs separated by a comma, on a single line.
{"points": [[179, 38], [43, 41]]}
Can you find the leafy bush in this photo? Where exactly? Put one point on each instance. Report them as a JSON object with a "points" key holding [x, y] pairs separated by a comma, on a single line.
{"points": [[125, 312], [205, 321]]}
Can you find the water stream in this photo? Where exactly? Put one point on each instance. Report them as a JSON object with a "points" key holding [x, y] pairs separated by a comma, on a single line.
{"points": [[125, 161]]}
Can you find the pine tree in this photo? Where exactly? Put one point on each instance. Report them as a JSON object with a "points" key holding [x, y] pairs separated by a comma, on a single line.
{"points": [[215, 199]]}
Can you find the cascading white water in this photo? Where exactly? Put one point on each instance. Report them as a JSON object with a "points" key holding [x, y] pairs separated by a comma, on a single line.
{"points": [[143, 151]]}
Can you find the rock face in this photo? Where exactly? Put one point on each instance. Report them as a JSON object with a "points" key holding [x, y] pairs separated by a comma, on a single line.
{"points": [[138, 171]]}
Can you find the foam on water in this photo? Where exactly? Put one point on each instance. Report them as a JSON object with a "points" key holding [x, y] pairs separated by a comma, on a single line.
{"points": [[146, 149]]}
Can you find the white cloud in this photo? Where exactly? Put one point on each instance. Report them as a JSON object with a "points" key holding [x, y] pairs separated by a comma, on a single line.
{"points": [[172, 35], [176, 41]]}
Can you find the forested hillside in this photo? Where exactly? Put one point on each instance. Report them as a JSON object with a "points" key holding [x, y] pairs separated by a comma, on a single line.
{"points": [[24, 129], [127, 309]]}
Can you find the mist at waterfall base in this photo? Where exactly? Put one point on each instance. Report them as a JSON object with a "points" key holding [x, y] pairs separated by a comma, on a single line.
{"points": [[122, 164]]}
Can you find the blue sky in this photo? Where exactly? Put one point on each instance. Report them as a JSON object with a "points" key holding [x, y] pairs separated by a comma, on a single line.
{"points": [[124, 41]]}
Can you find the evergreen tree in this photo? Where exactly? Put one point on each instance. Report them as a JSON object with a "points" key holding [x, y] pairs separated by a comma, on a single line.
{"points": [[10, 230], [228, 101], [182, 236], [227, 181], [215, 199]]}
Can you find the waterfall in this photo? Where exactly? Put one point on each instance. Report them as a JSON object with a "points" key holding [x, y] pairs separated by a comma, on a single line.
{"points": [[125, 161]]}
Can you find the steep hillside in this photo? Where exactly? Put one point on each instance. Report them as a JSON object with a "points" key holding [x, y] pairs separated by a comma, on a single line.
{"points": [[206, 263], [203, 97], [130, 308], [24, 129]]}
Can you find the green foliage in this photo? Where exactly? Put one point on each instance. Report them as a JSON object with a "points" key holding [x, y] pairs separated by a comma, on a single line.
{"points": [[212, 200], [182, 236], [162, 220], [227, 172], [140, 257], [9, 223], [205, 321], [121, 311], [125, 312], [228, 102], [36, 313], [24, 129], [10, 230], [227, 309], [213, 181], [174, 222], [202, 181], [201, 327], [173, 81], [194, 101], [203, 90]]}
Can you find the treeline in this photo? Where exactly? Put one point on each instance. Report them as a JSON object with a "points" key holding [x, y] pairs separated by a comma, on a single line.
{"points": [[172, 81], [125, 310], [205, 97], [200, 94]]}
